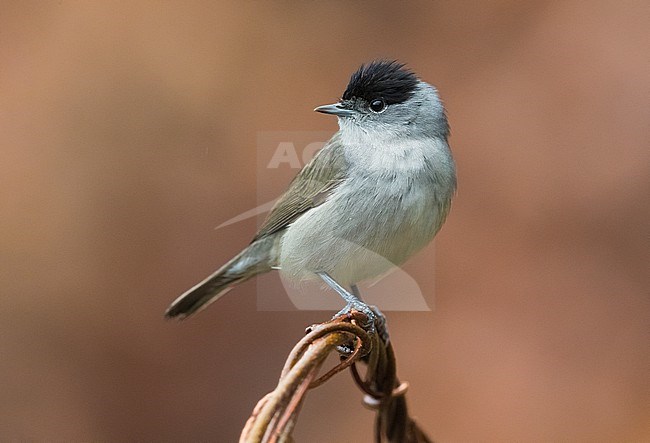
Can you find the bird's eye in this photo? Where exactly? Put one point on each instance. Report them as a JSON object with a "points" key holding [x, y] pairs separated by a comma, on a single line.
{"points": [[377, 105]]}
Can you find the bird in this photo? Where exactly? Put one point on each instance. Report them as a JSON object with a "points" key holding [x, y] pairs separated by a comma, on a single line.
{"points": [[376, 193]]}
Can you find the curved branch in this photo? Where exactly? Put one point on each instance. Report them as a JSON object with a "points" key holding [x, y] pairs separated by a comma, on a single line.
{"points": [[275, 415]]}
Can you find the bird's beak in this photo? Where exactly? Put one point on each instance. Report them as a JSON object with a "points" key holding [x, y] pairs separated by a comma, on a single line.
{"points": [[335, 109]]}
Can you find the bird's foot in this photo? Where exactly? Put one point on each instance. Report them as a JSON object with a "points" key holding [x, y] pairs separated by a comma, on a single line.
{"points": [[368, 311]]}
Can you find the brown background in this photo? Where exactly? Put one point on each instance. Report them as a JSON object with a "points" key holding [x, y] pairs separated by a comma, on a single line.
{"points": [[128, 132]]}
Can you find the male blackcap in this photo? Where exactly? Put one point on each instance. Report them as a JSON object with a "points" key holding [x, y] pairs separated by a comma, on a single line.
{"points": [[377, 192]]}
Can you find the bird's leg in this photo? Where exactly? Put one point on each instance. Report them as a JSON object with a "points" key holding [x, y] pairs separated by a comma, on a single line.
{"points": [[380, 320], [353, 301]]}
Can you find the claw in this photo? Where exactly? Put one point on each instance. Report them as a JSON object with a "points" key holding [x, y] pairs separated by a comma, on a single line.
{"points": [[366, 310]]}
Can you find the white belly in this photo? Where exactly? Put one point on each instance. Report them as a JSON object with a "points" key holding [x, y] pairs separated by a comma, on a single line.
{"points": [[364, 229]]}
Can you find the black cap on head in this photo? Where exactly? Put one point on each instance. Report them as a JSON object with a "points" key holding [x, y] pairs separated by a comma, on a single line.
{"points": [[388, 80]]}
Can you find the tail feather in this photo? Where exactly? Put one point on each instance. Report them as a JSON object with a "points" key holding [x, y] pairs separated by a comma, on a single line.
{"points": [[201, 295], [257, 258]]}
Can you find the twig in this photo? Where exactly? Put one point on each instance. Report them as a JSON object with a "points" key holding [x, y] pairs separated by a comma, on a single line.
{"points": [[275, 415]]}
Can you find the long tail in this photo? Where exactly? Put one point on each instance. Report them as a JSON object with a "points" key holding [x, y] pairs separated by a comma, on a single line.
{"points": [[257, 258]]}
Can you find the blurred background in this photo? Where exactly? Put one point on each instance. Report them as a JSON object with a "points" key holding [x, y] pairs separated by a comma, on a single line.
{"points": [[128, 131]]}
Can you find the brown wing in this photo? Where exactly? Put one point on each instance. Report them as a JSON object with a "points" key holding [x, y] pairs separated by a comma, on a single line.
{"points": [[309, 188]]}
